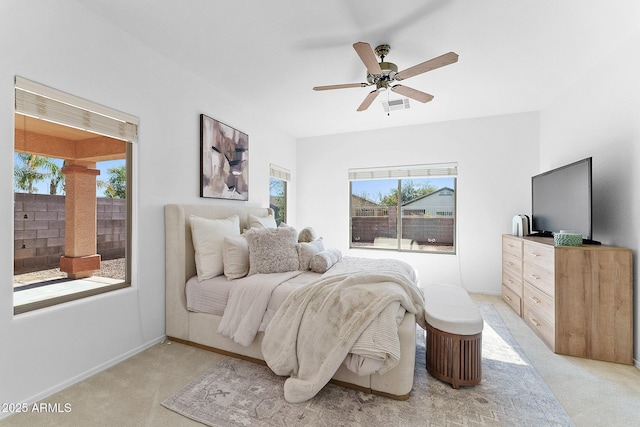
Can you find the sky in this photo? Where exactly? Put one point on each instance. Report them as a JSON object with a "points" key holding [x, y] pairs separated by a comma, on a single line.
{"points": [[371, 189], [43, 186]]}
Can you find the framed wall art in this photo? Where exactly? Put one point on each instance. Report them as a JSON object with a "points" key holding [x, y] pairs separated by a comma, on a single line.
{"points": [[224, 161]]}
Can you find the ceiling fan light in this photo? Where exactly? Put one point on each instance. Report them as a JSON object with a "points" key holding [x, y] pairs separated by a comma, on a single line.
{"points": [[382, 85]]}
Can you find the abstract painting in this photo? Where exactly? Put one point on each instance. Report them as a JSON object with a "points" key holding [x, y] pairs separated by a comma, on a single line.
{"points": [[224, 162]]}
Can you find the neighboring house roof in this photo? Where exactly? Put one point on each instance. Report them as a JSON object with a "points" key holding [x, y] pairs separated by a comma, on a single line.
{"points": [[361, 201], [428, 195]]}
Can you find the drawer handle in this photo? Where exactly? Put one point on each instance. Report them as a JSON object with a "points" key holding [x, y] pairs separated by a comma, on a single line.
{"points": [[535, 277], [534, 299], [509, 263], [510, 281], [535, 322], [507, 297], [534, 254]]}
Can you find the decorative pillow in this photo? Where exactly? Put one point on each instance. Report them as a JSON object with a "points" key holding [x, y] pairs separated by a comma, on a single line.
{"points": [[272, 250], [306, 251], [207, 236], [323, 261], [235, 257], [307, 234], [261, 222]]}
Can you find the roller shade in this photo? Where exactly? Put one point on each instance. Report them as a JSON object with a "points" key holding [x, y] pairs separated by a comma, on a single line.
{"points": [[399, 172], [45, 103], [279, 172]]}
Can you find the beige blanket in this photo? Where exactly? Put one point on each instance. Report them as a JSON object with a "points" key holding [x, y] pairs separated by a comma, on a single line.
{"points": [[317, 325], [247, 305]]}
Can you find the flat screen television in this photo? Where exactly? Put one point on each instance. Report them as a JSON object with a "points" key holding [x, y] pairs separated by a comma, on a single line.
{"points": [[561, 199]]}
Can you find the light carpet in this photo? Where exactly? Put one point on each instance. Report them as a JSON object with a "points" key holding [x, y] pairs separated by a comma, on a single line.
{"points": [[235, 392]]}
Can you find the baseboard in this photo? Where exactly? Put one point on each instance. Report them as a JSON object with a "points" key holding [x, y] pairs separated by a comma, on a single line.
{"points": [[58, 387]]}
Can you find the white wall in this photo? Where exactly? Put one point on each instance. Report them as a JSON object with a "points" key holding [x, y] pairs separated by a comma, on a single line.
{"points": [[63, 45], [599, 116], [496, 158]]}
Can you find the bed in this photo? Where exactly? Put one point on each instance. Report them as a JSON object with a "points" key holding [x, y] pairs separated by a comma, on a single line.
{"points": [[200, 329]]}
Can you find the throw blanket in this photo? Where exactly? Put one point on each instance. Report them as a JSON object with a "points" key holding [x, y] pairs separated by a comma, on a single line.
{"points": [[317, 325], [247, 304]]}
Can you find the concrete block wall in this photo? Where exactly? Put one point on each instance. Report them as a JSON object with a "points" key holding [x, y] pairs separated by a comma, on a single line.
{"points": [[112, 232], [39, 230], [422, 230]]}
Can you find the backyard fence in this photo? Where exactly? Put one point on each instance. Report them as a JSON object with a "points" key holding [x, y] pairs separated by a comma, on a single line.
{"points": [[39, 230]]}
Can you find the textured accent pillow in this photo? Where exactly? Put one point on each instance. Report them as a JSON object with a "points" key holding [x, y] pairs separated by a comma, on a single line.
{"points": [[207, 236], [235, 257], [307, 234], [272, 250], [323, 261], [306, 251], [261, 222]]}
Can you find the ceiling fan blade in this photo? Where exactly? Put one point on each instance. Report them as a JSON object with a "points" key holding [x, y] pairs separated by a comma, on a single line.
{"points": [[412, 93], [343, 86], [368, 57], [432, 64], [368, 100]]}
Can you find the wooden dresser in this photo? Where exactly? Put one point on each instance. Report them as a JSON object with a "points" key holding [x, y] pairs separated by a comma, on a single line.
{"points": [[512, 272], [579, 300]]}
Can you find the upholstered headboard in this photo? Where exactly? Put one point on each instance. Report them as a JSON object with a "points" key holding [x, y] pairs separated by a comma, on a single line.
{"points": [[180, 256]]}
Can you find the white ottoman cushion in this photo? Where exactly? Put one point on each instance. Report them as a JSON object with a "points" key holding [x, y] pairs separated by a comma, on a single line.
{"points": [[450, 309]]}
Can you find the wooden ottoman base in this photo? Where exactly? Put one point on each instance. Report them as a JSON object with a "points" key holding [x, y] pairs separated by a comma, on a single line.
{"points": [[455, 359]]}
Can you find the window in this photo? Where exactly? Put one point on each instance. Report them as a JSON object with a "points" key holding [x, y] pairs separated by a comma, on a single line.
{"points": [[278, 179], [408, 208], [72, 197]]}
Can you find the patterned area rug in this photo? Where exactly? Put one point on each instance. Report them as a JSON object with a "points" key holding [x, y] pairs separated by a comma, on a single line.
{"points": [[239, 393]]}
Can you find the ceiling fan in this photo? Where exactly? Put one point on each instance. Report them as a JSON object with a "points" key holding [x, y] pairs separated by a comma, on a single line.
{"points": [[382, 74]]}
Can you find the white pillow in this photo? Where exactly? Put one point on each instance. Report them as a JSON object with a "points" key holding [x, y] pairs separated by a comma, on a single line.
{"points": [[323, 261], [306, 251], [208, 236], [235, 257], [272, 250], [261, 222]]}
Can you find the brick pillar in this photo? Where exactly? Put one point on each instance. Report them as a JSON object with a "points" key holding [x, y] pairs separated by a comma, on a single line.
{"points": [[80, 258]]}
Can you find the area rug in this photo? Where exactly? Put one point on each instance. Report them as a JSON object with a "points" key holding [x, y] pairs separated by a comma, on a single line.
{"points": [[235, 392]]}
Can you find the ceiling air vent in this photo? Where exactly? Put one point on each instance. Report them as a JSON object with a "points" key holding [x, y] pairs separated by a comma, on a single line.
{"points": [[395, 104]]}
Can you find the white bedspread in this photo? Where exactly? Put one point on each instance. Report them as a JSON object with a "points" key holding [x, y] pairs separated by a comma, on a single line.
{"points": [[247, 305], [318, 325]]}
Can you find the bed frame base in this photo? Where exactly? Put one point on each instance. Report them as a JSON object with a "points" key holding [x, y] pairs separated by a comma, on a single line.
{"points": [[262, 362]]}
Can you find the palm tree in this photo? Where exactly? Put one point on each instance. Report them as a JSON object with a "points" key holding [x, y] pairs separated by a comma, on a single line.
{"points": [[57, 178], [116, 185], [33, 169]]}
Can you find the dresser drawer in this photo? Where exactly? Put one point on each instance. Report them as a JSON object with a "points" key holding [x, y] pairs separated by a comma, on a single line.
{"points": [[512, 281], [541, 326], [512, 264], [539, 301], [512, 299], [539, 254], [539, 277], [512, 245]]}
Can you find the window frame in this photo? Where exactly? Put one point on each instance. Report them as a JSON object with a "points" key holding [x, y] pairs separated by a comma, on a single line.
{"points": [[281, 174], [74, 112], [400, 174]]}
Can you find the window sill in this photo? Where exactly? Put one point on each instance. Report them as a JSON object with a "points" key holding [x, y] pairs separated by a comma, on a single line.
{"points": [[61, 291]]}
